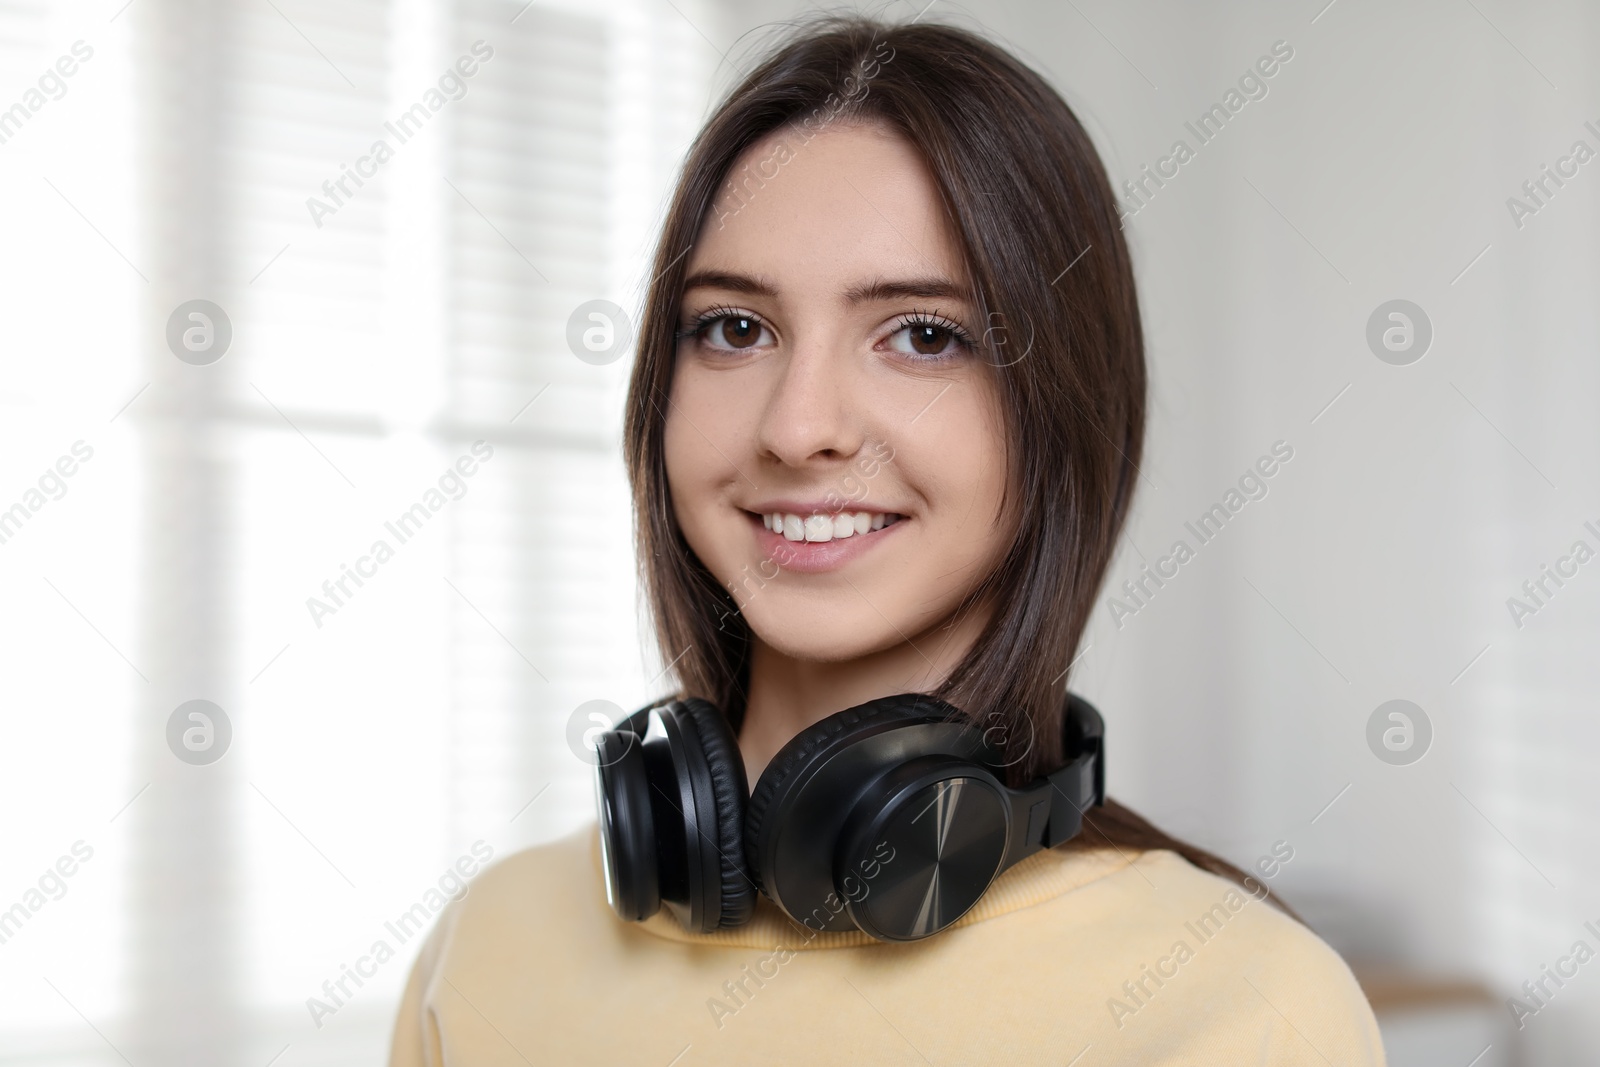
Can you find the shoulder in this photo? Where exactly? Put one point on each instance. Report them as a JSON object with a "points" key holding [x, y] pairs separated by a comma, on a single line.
{"points": [[1190, 948], [536, 896], [534, 904], [555, 866]]}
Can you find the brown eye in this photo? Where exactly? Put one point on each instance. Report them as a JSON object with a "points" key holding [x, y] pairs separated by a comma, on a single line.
{"points": [[735, 332], [739, 331], [928, 340]]}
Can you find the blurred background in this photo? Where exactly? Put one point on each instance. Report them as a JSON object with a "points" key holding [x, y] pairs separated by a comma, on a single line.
{"points": [[184, 486]]}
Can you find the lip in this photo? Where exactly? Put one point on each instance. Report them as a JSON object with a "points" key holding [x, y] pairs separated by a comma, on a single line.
{"points": [[815, 557], [832, 506]]}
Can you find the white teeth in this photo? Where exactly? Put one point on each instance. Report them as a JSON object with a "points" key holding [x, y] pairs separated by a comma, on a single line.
{"points": [[826, 527]]}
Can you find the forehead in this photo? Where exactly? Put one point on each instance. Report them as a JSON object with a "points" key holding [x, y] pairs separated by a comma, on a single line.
{"points": [[818, 214]]}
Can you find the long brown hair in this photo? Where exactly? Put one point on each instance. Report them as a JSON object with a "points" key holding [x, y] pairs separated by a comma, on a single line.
{"points": [[1036, 222]]}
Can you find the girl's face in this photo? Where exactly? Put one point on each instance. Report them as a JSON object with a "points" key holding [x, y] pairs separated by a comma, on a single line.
{"points": [[834, 445]]}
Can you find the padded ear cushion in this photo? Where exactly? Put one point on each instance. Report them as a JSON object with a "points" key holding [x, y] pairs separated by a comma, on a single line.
{"points": [[803, 745], [730, 788]]}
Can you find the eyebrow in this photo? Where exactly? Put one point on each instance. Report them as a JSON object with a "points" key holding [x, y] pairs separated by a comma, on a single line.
{"points": [[932, 288], [738, 283]]}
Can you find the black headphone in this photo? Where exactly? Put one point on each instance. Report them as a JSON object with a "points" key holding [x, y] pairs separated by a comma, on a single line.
{"points": [[890, 817]]}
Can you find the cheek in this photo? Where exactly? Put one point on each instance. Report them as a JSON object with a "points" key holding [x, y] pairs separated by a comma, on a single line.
{"points": [[703, 446], [711, 423], [679, 454], [691, 483], [968, 482], [690, 472], [685, 448], [970, 534]]}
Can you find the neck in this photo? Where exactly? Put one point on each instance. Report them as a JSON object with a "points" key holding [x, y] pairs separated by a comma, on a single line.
{"points": [[788, 694]]}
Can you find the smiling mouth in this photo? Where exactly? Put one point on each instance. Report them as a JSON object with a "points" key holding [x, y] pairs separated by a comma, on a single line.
{"points": [[843, 524]]}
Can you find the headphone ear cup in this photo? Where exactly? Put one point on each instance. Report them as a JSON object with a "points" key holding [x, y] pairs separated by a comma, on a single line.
{"points": [[730, 790], [626, 823], [781, 772]]}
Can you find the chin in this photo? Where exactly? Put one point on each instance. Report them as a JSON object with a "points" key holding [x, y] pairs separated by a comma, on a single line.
{"points": [[820, 634]]}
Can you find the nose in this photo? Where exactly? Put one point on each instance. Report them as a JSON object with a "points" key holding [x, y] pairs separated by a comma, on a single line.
{"points": [[812, 413]]}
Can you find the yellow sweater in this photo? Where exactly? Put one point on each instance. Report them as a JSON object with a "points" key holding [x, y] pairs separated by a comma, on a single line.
{"points": [[1080, 958]]}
